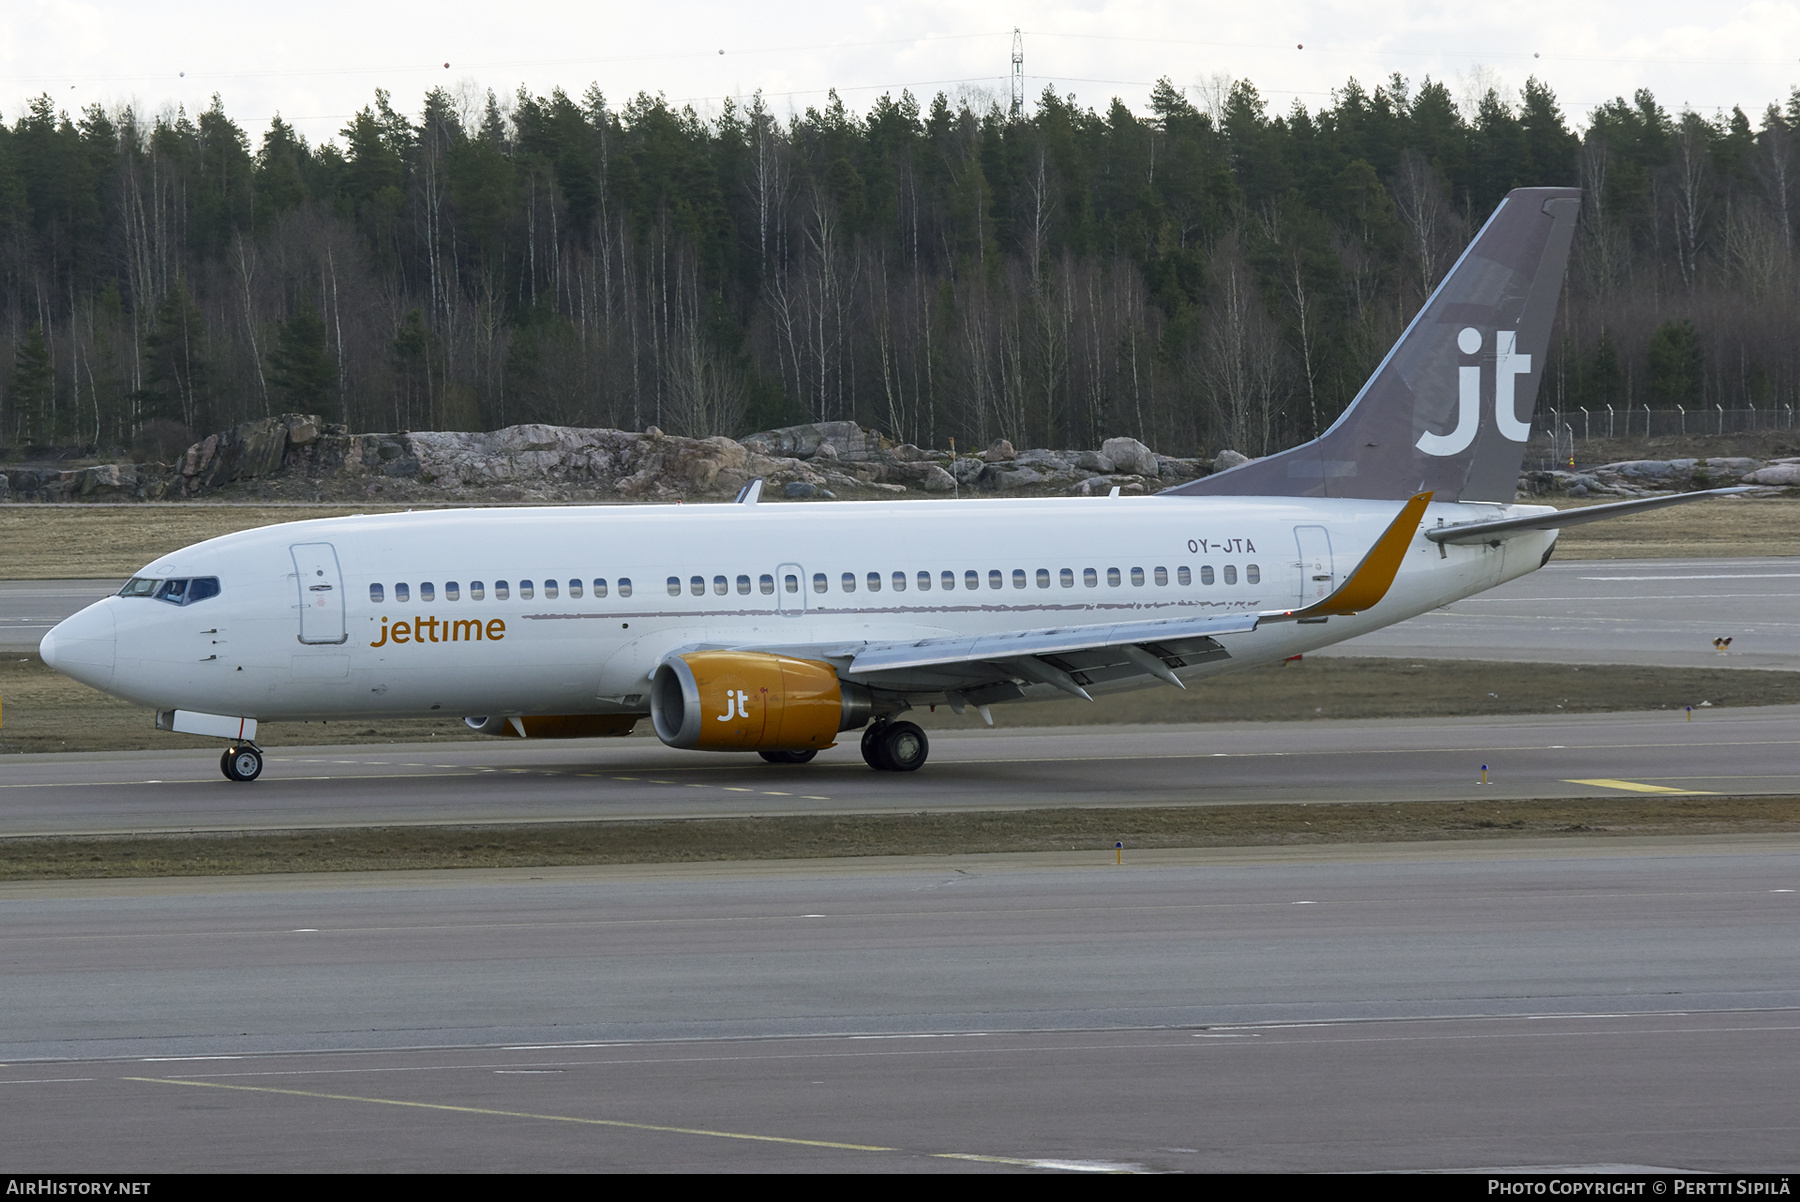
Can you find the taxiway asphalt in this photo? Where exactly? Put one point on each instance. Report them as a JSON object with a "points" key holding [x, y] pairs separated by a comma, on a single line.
{"points": [[1440, 1006], [1749, 751]]}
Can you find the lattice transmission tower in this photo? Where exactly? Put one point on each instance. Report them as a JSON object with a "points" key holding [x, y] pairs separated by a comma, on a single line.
{"points": [[1018, 75]]}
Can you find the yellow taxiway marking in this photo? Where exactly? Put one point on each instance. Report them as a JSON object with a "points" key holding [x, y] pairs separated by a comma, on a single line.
{"points": [[587, 1122], [1632, 786]]}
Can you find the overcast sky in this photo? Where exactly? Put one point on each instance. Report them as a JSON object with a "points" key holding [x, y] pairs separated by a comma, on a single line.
{"points": [[318, 62]]}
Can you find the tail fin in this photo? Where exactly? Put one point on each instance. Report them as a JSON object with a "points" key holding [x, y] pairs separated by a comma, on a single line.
{"points": [[1441, 413]]}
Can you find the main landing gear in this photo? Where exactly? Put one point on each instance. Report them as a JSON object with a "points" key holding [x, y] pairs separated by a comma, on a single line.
{"points": [[244, 762], [895, 746]]}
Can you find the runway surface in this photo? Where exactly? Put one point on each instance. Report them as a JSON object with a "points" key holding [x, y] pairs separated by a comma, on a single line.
{"points": [[1721, 751], [29, 608], [1421, 1007], [1664, 612], [1661, 612]]}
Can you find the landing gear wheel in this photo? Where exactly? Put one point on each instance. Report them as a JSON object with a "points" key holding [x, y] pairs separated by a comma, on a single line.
{"points": [[241, 763], [904, 747], [895, 747], [871, 747], [788, 757]]}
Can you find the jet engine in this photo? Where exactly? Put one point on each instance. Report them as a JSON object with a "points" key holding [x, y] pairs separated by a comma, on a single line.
{"points": [[753, 701]]}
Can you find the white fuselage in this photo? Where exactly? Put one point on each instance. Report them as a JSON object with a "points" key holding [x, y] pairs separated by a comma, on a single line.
{"points": [[723, 576]]}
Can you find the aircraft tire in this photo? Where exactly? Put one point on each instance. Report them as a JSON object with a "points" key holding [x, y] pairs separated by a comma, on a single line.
{"points": [[872, 741], [788, 757], [904, 747], [241, 763]]}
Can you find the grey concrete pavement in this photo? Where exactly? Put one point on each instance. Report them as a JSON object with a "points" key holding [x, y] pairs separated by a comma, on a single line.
{"points": [[29, 608], [1721, 751], [1402, 1008], [1660, 612]]}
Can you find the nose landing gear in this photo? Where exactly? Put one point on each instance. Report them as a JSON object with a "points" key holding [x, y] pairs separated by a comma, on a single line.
{"points": [[241, 763], [895, 747]]}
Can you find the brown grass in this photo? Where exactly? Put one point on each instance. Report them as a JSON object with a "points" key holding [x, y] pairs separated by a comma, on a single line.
{"points": [[98, 542], [800, 837]]}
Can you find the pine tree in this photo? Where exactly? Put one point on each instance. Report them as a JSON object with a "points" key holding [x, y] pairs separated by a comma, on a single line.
{"points": [[29, 390], [302, 371]]}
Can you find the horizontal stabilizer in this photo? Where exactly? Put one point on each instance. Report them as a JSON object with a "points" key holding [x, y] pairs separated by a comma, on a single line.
{"points": [[1481, 532]]}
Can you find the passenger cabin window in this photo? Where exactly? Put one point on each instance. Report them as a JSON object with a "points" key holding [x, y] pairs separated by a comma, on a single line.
{"points": [[720, 586], [993, 578], [1112, 577], [697, 585], [899, 582], [550, 590], [1162, 576], [1137, 577], [791, 583], [1090, 577], [849, 582], [674, 586], [501, 590], [766, 583], [477, 590], [1206, 573], [1018, 578], [1230, 573], [1252, 574], [874, 582], [574, 588], [924, 582], [452, 591], [1066, 577], [743, 585], [428, 591], [401, 593], [1043, 577], [376, 593], [948, 581], [525, 588], [1183, 576], [624, 586], [599, 586], [819, 582]]}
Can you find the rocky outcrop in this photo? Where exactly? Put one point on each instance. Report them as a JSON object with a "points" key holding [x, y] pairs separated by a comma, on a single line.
{"points": [[300, 455], [1644, 477]]}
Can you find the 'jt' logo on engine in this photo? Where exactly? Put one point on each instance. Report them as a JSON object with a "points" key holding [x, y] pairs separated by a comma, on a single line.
{"points": [[737, 705], [1508, 366]]}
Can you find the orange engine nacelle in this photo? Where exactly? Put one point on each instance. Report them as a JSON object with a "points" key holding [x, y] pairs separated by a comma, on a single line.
{"points": [[752, 701]]}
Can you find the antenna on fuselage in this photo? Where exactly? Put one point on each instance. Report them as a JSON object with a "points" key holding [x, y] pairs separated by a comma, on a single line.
{"points": [[748, 494]]}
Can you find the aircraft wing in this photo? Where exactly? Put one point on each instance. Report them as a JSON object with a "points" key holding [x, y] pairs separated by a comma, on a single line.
{"points": [[984, 668]]}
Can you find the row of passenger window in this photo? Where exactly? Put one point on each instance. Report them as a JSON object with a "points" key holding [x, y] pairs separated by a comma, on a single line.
{"points": [[971, 579], [502, 590], [821, 583]]}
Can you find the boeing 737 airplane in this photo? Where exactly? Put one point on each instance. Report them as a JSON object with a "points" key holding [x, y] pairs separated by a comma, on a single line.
{"points": [[775, 628]]}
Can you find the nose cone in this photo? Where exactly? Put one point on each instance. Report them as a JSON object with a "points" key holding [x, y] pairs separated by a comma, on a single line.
{"points": [[84, 646]]}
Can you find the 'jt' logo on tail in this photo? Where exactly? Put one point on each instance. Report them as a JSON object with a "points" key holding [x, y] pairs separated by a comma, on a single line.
{"points": [[737, 705], [1509, 365]]}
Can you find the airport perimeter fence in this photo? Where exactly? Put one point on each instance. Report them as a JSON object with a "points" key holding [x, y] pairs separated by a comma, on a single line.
{"points": [[1557, 431], [1625, 421]]}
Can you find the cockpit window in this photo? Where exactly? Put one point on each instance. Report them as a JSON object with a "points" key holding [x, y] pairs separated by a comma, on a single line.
{"points": [[182, 591]]}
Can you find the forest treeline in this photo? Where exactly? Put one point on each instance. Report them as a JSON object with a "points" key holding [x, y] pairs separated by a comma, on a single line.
{"points": [[1198, 277]]}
